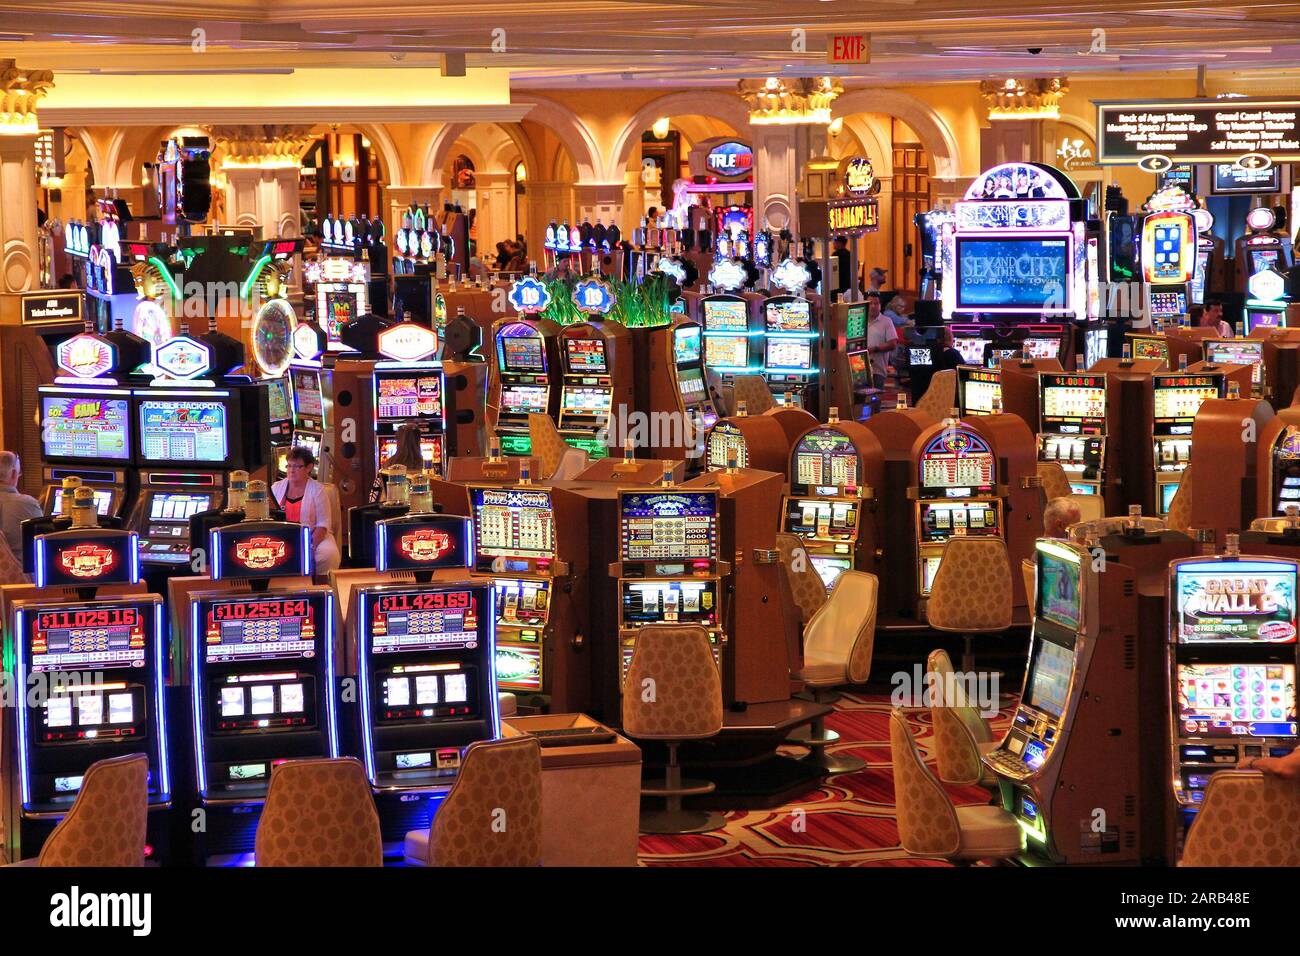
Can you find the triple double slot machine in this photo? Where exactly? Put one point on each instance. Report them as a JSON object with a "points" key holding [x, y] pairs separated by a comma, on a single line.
{"points": [[669, 571], [86, 651], [530, 542], [1072, 427], [957, 492], [1177, 399]]}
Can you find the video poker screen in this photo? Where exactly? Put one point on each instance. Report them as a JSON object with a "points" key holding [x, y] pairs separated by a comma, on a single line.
{"points": [[1237, 699], [402, 396], [77, 428], [726, 315], [669, 525], [521, 352], [187, 430], [1072, 398], [1179, 397], [90, 636], [512, 523], [788, 315], [793, 354], [994, 273], [586, 355], [586, 400], [420, 619], [1235, 602], [263, 628]]}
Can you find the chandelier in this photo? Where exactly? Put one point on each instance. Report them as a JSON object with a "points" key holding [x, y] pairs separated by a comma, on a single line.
{"points": [[776, 100], [1024, 99]]}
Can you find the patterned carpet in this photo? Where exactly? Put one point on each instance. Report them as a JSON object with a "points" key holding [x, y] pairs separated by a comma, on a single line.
{"points": [[847, 821]]}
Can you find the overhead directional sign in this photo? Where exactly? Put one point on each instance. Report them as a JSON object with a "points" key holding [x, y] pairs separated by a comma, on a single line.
{"points": [[1246, 131]]}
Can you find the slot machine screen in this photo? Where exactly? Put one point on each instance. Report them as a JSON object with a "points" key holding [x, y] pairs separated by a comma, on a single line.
{"points": [[402, 396], [338, 307], [310, 441], [981, 390], [430, 451], [829, 569], [727, 351], [1043, 348], [788, 315], [248, 627], [277, 390], [512, 523], [1238, 352], [1060, 593], [170, 513], [1095, 346], [1167, 492], [971, 348], [308, 399], [73, 637], [722, 439], [1178, 398], [1237, 699], [1235, 602], [1073, 399], [957, 462], [417, 619], [80, 428], [187, 430], [1150, 348], [586, 400], [726, 315], [825, 461], [1169, 302], [669, 525], [524, 399], [792, 354], [814, 518], [1261, 318], [523, 602], [1262, 259], [103, 501], [855, 322], [686, 344], [690, 381], [521, 351], [1024, 274], [669, 601], [1168, 247], [1047, 685], [586, 355]]}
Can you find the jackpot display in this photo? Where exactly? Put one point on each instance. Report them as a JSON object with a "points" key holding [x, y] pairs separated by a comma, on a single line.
{"points": [[666, 525], [186, 430], [79, 427], [1072, 427]]}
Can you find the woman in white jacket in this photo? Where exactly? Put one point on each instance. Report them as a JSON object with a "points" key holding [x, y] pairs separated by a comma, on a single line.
{"points": [[304, 501]]}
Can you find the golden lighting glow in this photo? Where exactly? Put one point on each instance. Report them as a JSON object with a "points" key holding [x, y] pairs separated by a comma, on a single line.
{"points": [[1013, 99], [661, 127], [20, 91], [265, 146], [836, 127], [780, 102]]}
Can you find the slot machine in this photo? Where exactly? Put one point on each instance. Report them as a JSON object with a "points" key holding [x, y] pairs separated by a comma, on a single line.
{"points": [[757, 441], [280, 419], [531, 542], [311, 415], [791, 352], [1232, 665], [835, 472], [527, 351], [341, 287], [596, 359], [1278, 470], [1249, 352], [979, 390], [1168, 252], [261, 665], [1072, 423], [956, 491], [849, 364], [1265, 246], [669, 571], [729, 338], [403, 392], [86, 434], [1077, 717], [678, 385], [1148, 346], [1177, 397], [88, 637]]}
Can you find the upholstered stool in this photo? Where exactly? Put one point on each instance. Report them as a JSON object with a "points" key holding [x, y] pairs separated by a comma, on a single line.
{"points": [[961, 734], [319, 812], [1247, 818], [806, 586], [673, 693], [971, 593], [559, 460]]}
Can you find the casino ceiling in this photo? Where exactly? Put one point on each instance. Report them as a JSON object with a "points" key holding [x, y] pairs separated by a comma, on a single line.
{"points": [[600, 43]]}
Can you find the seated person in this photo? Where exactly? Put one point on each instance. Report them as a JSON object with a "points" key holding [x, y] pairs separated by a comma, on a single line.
{"points": [[1059, 514], [1287, 768], [943, 355], [306, 502], [408, 453]]}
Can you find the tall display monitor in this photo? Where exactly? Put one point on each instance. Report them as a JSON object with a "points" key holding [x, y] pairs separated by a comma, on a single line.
{"points": [[82, 426], [187, 429]]}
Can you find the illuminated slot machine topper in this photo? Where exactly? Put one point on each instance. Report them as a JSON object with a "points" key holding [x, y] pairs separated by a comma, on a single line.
{"points": [[957, 463], [1154, 347], [1168, 248], [427, 661], [1238, 352], [1285, 460], [280, 404], [825, 463], [723, 439], [1232, 644], [669, 527], [979, 390]]}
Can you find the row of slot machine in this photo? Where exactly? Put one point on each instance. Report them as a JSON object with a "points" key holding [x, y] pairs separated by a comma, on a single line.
{"points": [[1148, 672]]}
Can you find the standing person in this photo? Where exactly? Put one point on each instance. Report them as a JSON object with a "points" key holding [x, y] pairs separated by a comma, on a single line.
{"points": [[876, 279], [306, 502], [844, 260], [407, 452], [945, 356], [882, 339], [15, 507]]}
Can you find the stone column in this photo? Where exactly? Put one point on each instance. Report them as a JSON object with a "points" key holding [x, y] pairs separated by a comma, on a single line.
{"points": [[776, 177], [546, 201], [261, 165], [603, 201], [496, 211], [20, 90]]}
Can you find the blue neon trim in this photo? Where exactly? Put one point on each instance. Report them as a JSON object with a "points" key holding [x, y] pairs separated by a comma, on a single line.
{"points": [[308, 563], [492, 659], [214, 559], [40, 561], [381, 541], [196, 695], [20, 669], [363, 669], [165, 789]]}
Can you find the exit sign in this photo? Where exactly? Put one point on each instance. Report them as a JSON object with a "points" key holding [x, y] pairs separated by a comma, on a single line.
{"points": [[848, 48]]}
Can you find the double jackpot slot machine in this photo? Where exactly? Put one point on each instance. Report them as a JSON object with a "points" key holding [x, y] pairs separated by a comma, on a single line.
{"points": [[1232, 665], [520, 535], [791, 352], [728, 338], [87, 656], [528, 365], [956, 493], [1177, 398], [1072, 427]]}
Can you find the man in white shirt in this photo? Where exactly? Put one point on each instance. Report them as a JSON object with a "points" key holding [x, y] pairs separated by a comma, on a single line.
{"points": [[15, 507], [882, 339]]}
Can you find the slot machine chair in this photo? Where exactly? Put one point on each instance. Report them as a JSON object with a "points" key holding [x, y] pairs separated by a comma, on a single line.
{"points": [[1179, 517], [560, 460], [961, 734], [107, 823], [837, 648], [503, 774], [928, 822], [807, 589], [941, 397], [319, 812], [1246, 819], [753, 390], [686, 705], [1055, 482], [971, 593]]}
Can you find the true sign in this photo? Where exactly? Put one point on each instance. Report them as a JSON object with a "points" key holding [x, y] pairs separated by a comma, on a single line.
{"points": [[848, 48]]}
